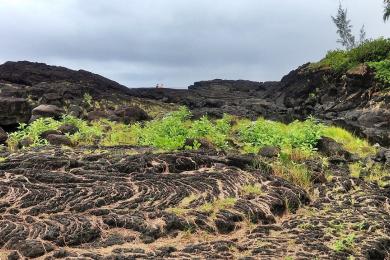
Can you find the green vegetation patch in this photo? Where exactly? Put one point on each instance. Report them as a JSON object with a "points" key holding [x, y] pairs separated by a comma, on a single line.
{"points": [[302, 135], [374, 53], [252, 189], [214, 207], [382, 71], [345, 243], [296, 141]]}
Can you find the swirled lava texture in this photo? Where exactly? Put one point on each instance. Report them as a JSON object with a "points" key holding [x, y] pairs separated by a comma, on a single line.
{"points": [[63, 203]]}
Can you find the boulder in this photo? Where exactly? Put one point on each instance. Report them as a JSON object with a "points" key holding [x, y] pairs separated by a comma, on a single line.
{"points": [[49, 132], [75, 111], [46, 111], [203, 143], [131, 114], [25, 142], [68, 129], [383, 155], [331, 148], [269, 151], [59, 140], [3, 136], [14, 111], [100, 114]]}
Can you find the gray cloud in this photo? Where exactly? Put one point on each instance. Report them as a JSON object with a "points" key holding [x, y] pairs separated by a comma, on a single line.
{"points": [[142, 42]]}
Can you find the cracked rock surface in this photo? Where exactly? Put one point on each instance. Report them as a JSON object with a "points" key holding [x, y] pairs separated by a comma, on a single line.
{"points": [[131, 203]]}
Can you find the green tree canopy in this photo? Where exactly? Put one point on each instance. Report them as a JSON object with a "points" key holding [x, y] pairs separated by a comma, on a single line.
{"points": [[386, 14]]}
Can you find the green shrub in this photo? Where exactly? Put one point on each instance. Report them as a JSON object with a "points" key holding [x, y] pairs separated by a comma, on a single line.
{"points": [[32, 131], [216, 132], [382, 70], [169, 133], [296, 140], [344, 243], [269, 133], [369, 51], [337, 60]]}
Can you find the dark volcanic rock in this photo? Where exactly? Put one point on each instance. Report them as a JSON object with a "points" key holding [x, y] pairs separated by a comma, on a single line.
{"points": [[100, 114], [31, 73], [32, 248], [129, 115], [50, 132], [25, 142], [269, 151], [68, 129], [330, 147], [55, 139], [47, 111], [355, 101], [114, 205], [13, 111], [3, 136]]}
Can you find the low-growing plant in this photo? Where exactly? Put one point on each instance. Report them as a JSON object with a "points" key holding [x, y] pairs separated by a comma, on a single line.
{"points": [[355, 169], [214, 207], [337, 60], [345, 243], [183, 206], [296, 173], [252, 189], [87, 99], [33, 132], [301, 135], [382, 71]]}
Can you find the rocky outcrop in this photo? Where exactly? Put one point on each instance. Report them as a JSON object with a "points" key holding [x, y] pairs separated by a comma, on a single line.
{"points": [[53, 91], [32, 73], [14, 110], [355, 101]]}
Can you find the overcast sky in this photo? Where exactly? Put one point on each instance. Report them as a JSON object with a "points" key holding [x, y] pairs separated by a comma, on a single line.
{"points": [[143, 42]]}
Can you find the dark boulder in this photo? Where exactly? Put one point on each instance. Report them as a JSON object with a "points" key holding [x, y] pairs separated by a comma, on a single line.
{"points": [[3, 136], [383, 155], [46, 111], [14, 255], [25, 142], [75, 111], [14, 111], [68, 129], [100, 114], [33, 248], [269, 151], [131, 114], [46, 133], [331, 148], [59, 140]]}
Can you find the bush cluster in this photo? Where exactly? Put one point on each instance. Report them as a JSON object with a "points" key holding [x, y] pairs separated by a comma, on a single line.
{"points": [[382, 70], [295, 140], [301, 135], [375, 53]]}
